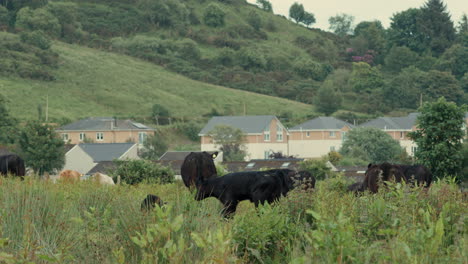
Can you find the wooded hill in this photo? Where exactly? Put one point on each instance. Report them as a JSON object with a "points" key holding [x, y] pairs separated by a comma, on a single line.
{"points": [[229, 43]]}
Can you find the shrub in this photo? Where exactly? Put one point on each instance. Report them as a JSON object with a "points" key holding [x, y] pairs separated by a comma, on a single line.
{"points": [[214, 16], [190, 129], [36, 38], [318, 168], [138, 171]]}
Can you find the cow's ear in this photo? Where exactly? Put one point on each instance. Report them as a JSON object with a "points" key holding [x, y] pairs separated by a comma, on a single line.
{"points": [[214, 155], [370, 164]]}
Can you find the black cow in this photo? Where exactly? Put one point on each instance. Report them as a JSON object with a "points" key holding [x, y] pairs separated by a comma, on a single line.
{"points": [[150, 202], [198, 164], [230, 189], [356, 187], [292, 179], [12, 164], [380, 173], [418, 173]]}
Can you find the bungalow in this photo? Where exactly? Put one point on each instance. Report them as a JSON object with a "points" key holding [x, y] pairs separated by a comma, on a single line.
{"points": [[263, 134], [317, 137], [83, 157], [104, 130]]}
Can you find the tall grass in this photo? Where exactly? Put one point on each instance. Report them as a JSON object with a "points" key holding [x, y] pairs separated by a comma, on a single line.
{"points": [[43, 222]]}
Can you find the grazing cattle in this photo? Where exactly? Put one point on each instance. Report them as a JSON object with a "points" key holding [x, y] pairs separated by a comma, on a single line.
{"points": [[198, 165], [12, 164], [150, 202], [292, 179], [356, 187], [230, 189], [380, 173], [418, 173], [69, 175], [103, 178]]}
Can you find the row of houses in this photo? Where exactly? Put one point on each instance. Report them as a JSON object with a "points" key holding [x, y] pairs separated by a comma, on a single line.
{"points": [[311, 139], [264, 134]]}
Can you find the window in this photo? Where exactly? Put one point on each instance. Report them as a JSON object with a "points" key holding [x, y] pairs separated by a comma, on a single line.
{"points": [[65, 137], [142, 137], [266, 134], [413, 150], [99, 136], [266, 154], [343, 136], [279, 133], [285, 165], [308, 134], [402, 134], [82, 136], [332, 148], [332, 134], [250, 165]]}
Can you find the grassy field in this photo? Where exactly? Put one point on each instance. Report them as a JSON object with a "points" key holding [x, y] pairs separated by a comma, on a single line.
{"points": [[43, 222], [95, 83]]}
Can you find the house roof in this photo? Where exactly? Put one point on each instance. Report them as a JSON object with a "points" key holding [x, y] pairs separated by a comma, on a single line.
{"points": [[322, 123], [248, 124], [393, 123], [103, 167], [174, 155], [105, 151], [103, 124]]}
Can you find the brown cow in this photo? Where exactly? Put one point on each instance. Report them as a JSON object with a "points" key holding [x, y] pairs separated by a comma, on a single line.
{"points": [[198, 165], [70, 175], [376, 174]]}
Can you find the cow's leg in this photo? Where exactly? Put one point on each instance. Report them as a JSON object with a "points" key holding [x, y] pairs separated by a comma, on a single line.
{"points": [[229, 208]]}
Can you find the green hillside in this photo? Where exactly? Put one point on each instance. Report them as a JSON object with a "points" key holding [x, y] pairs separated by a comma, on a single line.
{"points": [[96, 83]]}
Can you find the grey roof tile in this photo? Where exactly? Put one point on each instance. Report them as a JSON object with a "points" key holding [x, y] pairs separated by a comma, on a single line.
{"points": [[322, 122], [105, 151], [248, 124], [393, 123]]}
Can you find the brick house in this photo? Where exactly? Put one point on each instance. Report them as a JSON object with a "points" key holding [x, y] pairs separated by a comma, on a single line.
{"points": [[398, 128], [263, 134], [104, 130], [317, 137]]}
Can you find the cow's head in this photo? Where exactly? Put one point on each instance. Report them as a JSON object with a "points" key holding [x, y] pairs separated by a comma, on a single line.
{"points": [[198, 166]]}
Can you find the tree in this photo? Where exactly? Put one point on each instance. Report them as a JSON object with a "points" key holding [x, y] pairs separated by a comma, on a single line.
{"points": [[230, 141], [405, 30], [371, 144], [15, 5], [464, 171], [399, 58], [4, 18], [341, 24], [374, 38], [404, 90], [296, 12], [436, 26], [214, 16], [308, 19], [254, 20], [365, 79], [438, 84], [137, 171], [454, 59], [265, 5], [153, 147], [327, 99], [439, 137], [7, 124], [42, 149], [157, 112], [38, 19]]}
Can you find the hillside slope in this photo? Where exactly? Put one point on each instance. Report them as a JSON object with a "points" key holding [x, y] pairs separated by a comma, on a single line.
{"points": [[96, 83]]}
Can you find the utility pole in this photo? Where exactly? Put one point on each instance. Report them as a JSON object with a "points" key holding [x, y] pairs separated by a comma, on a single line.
{"points": [[47, 108]]}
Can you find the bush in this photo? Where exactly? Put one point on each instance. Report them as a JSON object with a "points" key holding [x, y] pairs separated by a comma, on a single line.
{"points": [[142, 171], [190, 129], [36, 38], [318, 168], [214, 16]]}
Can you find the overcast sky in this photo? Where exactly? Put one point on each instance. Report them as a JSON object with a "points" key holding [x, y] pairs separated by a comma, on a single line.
{"points": [[362, 10]]}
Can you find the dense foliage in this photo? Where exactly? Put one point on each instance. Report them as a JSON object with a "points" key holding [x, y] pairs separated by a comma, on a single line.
{"points": [[230, 141], [142, 171], [439, 138], [87, 223]]}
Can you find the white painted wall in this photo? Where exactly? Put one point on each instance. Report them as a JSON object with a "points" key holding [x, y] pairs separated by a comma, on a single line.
{"points": [[312, 148], [76, 159], [255, 150]]}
